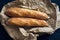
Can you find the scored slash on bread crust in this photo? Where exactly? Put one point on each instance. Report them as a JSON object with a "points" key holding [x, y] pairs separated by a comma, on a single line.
{"points": [[27, 22], [21, 12]]}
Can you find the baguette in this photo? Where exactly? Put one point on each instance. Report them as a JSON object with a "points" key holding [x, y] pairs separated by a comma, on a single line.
{"points": [[21, 12], [29, 22]]}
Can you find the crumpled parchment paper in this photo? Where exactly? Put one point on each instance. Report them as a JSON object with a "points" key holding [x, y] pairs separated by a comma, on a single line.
{"points": [[30, 33]]}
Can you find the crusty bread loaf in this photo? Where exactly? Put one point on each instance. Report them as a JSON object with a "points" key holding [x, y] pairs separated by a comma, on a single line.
{"points": [[27, 22], [21, 12]]}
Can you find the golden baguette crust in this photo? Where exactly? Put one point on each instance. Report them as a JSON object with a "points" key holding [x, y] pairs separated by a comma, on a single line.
{"points": [[21, 12], [27, 22]]}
